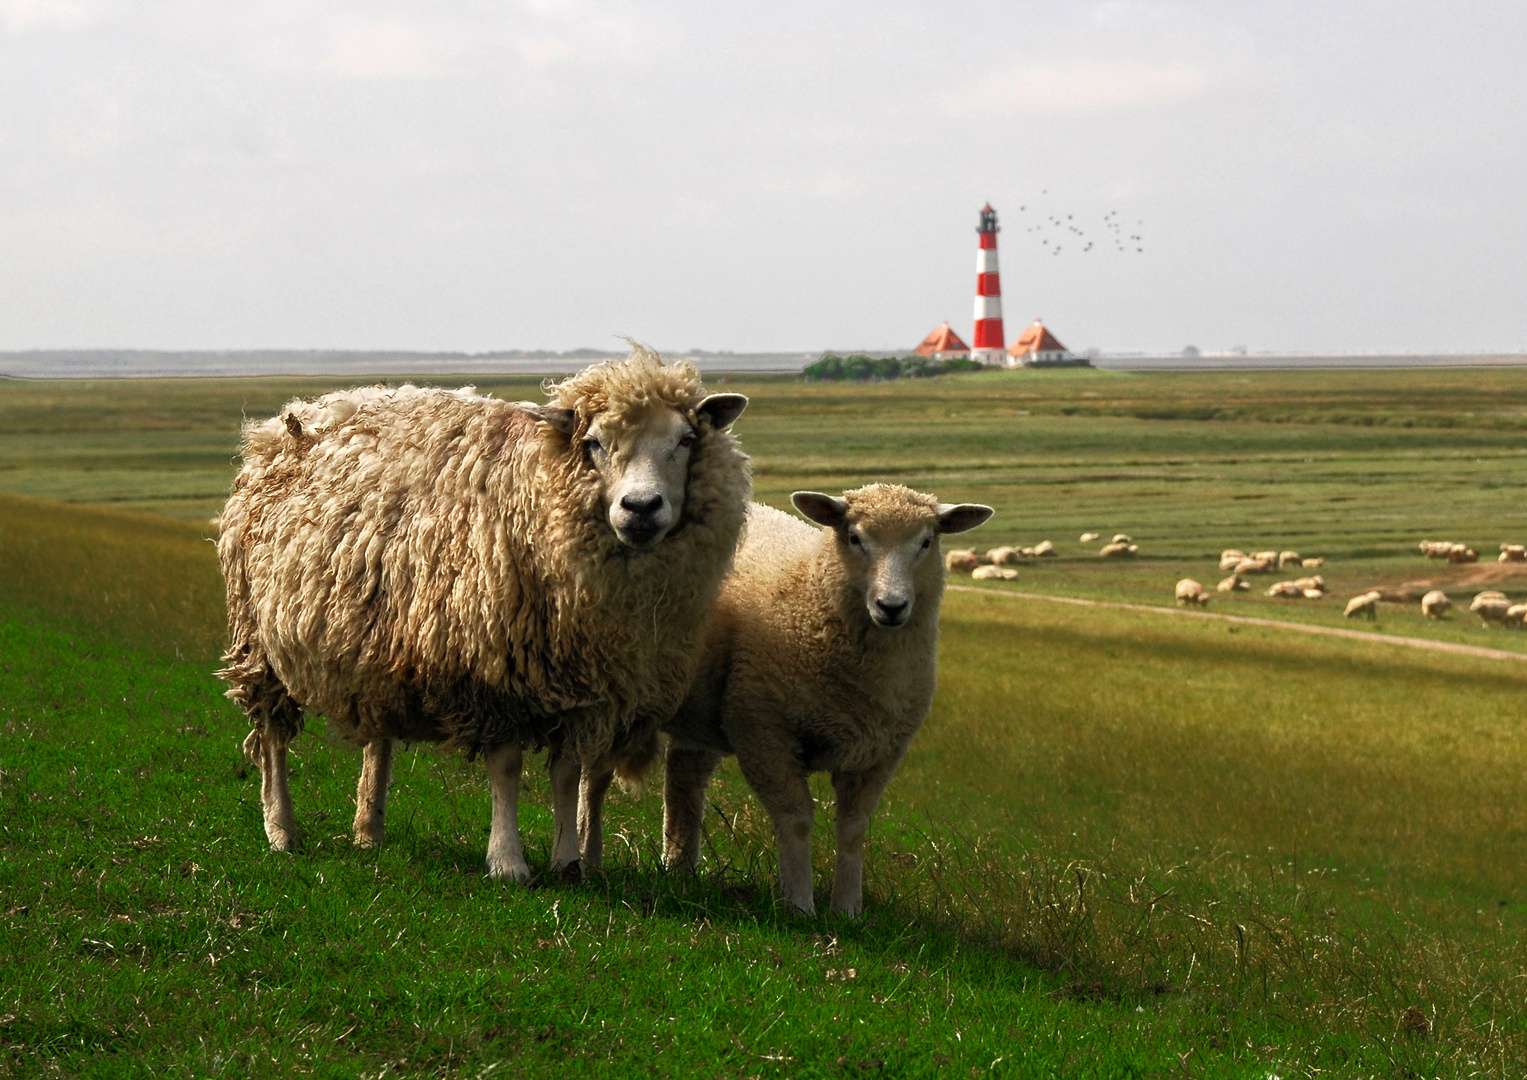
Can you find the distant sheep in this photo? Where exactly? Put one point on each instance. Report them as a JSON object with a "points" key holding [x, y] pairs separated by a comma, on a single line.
{"points": [[821, 658], [1311, 564], [1003, 556], [1287, 557], [1365, 606], [1044, 549], [1233, 583], [1436, 549], [1121, 538], [1118, 550], [1460, 554], [1513, 553], [1089, 537], [1191, 592], [1435, 604], [1491, 606], [960, 560], [1230, 558], [432, 565], [1514, 615], [994, 573]]}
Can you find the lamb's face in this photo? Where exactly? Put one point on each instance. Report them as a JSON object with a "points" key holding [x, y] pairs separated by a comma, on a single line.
{"points": [[889, 546]]}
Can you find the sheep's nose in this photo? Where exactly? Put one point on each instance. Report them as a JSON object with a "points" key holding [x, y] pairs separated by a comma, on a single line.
{"points": [[891, 611], [638, 505]]}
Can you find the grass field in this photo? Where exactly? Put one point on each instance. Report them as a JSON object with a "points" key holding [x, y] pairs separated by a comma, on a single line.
{"points": [[1125, 845]]}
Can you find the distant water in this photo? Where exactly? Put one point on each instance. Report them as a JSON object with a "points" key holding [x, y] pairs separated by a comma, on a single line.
{"points": [[125, 363], [140, 364]]}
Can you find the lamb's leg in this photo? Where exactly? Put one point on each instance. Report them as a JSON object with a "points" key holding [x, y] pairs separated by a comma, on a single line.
{"points": [[268, 748], [787, 797], [371, 794], [506, 855], [686, 773], [566, 770], [596, 784], [857, 795]]}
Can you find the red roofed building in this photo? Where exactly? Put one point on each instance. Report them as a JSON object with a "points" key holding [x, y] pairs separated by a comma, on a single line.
{"points": [[1037, 347], [943, 344]]}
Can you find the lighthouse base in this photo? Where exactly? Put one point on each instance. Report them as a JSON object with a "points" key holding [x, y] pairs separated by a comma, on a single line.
{"points": [[994, 357]]}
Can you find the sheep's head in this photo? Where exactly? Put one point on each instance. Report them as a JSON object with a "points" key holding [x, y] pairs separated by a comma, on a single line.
{"points": [[887, 537], [635, 426]]}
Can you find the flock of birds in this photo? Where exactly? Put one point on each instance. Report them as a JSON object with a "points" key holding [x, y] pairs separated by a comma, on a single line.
{"points": [[1114, 231]]}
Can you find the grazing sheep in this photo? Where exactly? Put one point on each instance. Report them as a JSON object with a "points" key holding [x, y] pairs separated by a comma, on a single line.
{"points": [[1286, 557], [1513, 553], [1366, 606], [1003, 556], [1044, 549], [1436, 549], [961, 560], [821, 658], [433, 565], [1255, 565], [1491, 606], [1230, 557], [1311, 564], [1233, 583], [1316, 582], [1286, 589], [1191, 592], [1119, 551], [1460, 554], [1089, 537], [1435, 604], [1514, 615], [995, 573], [1120, 538]]}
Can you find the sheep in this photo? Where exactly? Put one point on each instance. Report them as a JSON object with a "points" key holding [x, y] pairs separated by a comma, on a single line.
{"points": [[960, 560], [1230, 557], [1089, 537], [1435, 604], [1460, 554], [1121, 538], [1513, 553], [1436, 549], [1119, 551], [1254, 565], [1311, 564], [1191, 592], [1365, 605], [1491, 606], [1003, 556], [1514, 615], [1233, 583], [1044, 549], [1286, 589], [438, 566], [821, 657], [1316, 582], [994, 573], [1286, 557]]}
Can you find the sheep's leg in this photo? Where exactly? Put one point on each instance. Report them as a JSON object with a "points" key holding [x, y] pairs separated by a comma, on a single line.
{"points": [[268, 748], [566, 770], [506, 855], [787, 798], [371, 794], [596, 784], [858, 793], [686, 774]]}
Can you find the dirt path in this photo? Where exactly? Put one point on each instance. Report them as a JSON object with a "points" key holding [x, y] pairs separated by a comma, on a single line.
{"points": [[1249, 620]]}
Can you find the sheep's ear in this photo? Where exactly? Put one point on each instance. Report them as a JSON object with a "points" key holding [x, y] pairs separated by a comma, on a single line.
{"points": [[722, 409], [959, 517], [564, 420], [822, 509]]}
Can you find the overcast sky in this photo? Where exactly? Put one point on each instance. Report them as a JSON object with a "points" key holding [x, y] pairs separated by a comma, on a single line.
{"points": [[759, 176]]}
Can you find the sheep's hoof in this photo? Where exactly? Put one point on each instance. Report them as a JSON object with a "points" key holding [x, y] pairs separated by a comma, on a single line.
{"points": [[369, 839], [282, 841], [571, 873], [808, 909], [509, 871]]}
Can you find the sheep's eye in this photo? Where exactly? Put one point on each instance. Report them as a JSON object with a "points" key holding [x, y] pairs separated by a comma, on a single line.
{"points": [[927, 542], [853, 538], [687, 441], [593, 446]]}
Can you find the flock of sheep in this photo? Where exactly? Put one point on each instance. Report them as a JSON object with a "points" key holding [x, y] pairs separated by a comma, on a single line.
{"points": [[431, 565]]}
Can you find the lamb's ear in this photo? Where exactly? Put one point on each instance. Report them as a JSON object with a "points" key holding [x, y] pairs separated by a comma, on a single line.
{"points": [[722, 409], [564, 420], [959, 517], [822, 509]]}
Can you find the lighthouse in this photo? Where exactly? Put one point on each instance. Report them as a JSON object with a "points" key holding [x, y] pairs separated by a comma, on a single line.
{"points": [[988, 346]]}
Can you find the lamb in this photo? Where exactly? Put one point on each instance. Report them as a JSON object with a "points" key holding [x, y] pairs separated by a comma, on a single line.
{"points": [[821, 658], [1366, 605], [433, 565], [1191, 592], [1435, 604]]}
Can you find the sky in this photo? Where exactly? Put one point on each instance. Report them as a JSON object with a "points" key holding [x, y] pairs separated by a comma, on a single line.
{"points": [[479, 175]]}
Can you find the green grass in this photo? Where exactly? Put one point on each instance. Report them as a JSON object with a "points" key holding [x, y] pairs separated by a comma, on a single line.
{"points": [[1125, 845]]}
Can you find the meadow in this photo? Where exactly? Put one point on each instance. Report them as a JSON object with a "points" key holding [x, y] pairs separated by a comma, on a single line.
{"points": [[1125, 845]]}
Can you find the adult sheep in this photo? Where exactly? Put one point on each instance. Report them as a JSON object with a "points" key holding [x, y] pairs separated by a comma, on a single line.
{"points": [[433, 565], [822, 657], [1435, 604]]}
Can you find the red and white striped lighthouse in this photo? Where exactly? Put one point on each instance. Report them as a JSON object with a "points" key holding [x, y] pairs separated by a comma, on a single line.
{"points": [[988, 346]]}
